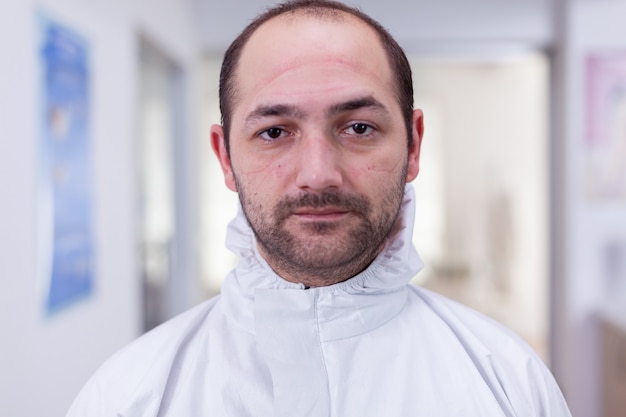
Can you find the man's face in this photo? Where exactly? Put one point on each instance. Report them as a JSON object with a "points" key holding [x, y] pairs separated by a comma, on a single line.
{"points": [[318, 146]]}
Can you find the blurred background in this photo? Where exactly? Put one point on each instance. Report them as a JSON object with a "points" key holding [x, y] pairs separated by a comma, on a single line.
{"points": [[113, 210]]}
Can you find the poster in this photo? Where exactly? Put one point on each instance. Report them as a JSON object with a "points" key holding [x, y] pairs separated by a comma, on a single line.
{"points": [[606, 126], [66, 254]]}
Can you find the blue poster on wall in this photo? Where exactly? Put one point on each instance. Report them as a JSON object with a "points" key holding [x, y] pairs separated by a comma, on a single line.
{"points": [[66, 253]]}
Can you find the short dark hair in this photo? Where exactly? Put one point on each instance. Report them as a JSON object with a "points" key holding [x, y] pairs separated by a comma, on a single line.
{"points": [[321, 8]]}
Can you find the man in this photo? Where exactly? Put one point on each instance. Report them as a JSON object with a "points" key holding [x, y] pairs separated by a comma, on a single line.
{"points": [[319, 139]]}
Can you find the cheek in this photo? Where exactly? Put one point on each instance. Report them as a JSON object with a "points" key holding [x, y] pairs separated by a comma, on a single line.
{"points": [[268, 170], [255, 166], [374, 170], [369, 175], [260, 177], [386, 163]]}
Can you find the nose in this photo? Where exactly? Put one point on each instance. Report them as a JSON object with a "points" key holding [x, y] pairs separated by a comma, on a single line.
{"points": [[320, 163]]}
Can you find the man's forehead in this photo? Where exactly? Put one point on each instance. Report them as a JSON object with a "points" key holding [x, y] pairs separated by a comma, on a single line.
{"points": [[295, 38]]}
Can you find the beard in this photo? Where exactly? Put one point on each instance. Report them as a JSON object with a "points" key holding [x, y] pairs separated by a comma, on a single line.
{"points": [[323, 252]]}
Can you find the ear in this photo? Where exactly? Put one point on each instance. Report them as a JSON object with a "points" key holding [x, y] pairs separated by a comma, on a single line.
{"points": [[219, 148], [417, 123]]}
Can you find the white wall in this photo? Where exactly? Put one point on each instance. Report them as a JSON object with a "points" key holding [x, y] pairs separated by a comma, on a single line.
{"points": [[45, 360], [586, 224]]}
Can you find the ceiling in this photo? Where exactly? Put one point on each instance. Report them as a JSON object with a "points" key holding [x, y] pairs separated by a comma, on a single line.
{"points": [[420, 26]]}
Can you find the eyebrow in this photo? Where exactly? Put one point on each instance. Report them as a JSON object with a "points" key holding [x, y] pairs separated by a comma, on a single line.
{"points": [[288, 110], [356, 104], [285, 110]]}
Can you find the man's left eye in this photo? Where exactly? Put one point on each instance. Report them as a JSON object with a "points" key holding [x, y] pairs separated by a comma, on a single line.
{"points": [[360, 129]]}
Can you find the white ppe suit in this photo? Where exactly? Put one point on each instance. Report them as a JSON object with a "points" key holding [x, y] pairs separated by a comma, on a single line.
{"points": [[373, 345]]}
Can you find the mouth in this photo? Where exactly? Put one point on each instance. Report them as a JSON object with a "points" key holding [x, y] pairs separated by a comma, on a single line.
{"points": [[321, 214]]}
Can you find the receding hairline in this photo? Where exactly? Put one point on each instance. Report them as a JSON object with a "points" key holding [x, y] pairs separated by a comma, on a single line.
{"points": [[317, 11]]}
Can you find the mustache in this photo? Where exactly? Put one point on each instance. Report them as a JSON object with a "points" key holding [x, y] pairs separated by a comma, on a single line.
{"points": [[350, 202]]}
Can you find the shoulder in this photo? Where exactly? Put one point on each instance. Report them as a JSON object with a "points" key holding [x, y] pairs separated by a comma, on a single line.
{"points": [[473, 327], [142, 367], [506, 362]]}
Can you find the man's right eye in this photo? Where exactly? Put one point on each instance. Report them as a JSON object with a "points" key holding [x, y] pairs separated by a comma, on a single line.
{"points": [[272, 133]]}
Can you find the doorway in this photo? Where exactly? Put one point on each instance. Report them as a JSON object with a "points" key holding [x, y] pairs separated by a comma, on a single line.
{"points": [[482, 193], [160, 137]]}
